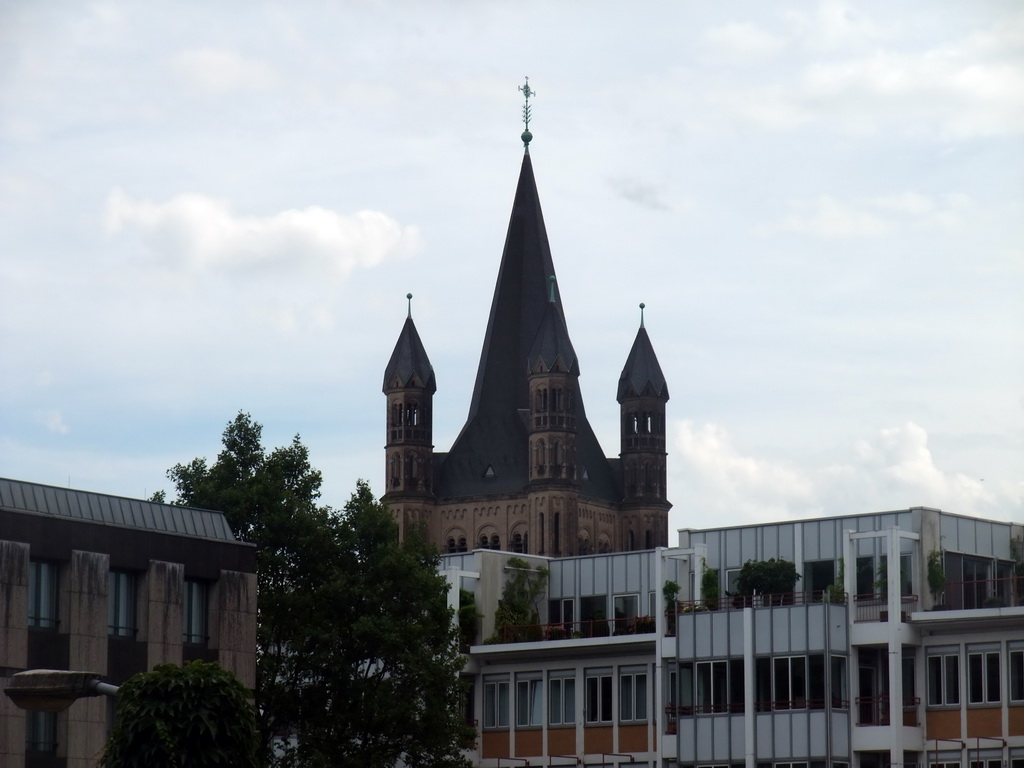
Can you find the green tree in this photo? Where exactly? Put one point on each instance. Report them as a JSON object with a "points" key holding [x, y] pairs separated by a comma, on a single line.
{"points": [[196, 716], [357, 654], [767, 577], [516, 618]]}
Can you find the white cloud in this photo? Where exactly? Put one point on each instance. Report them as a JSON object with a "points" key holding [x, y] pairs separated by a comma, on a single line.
{"points": [[828, 218], [739, 484], [893, 469], [204, 233], [743, 41], [217, 71], [834, 24], [865, 83], [53, 422]]}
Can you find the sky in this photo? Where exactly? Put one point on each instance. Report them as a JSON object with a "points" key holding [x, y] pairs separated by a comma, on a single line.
{"points": [[208, 208]]}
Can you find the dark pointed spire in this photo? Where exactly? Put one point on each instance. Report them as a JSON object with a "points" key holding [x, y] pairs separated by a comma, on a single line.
{"points": [[519, 304], [409, 362], [495, 433], [642, 374], [552, 341]]}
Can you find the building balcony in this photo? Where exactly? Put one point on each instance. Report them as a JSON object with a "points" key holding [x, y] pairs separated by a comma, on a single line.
{"points": [[738, 602], [577, 630], [875, 710], [987, 593], [875, 607]]}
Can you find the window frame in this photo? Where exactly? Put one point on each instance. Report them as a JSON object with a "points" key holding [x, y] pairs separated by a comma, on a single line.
{"points": [[947, 665], [633, 702], [598, 693], [195, 617], [495, 704], [43, 599], [41, 733], [529, 701], [1015, 674], [121, 604], [984, 670], [562, 691]]}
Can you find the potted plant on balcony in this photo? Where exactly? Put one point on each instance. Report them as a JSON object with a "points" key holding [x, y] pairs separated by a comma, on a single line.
{"points": [[670, 591], [836, 591], [709, 589], [936, 580], [774, 579]]}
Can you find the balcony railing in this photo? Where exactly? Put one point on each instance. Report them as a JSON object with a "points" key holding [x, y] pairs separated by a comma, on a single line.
{"points": [[985, 593], [736, 602], [737, 707], [573, 630], [874, 710], [875, 607]]}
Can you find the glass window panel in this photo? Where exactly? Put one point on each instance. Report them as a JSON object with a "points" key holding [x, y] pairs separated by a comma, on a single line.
{"points": [[626, 697], [1017, 675], [992, 677], [641, 697], [952, 688], [975, 678]]}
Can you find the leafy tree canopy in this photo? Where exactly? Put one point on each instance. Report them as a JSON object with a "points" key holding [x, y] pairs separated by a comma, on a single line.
{"points": [[357, 654], [196, 716]]}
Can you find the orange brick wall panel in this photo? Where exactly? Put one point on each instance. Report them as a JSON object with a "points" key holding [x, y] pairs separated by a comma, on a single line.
{"points": [[562, 741], [942, 724], [632, 738], [984, 722], [494, 744], [529, 743], [1016, 723], [598, 740]]}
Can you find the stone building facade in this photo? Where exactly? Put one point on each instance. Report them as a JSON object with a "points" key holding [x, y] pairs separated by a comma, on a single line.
{"points": [[114, 586]]}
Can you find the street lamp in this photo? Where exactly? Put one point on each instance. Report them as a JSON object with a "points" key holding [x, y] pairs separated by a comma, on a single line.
{"points": [[54, 690]]}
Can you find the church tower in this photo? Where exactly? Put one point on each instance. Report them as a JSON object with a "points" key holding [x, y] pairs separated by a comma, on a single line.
{"points": [[526, 473], [642, 395], [409, 385]]}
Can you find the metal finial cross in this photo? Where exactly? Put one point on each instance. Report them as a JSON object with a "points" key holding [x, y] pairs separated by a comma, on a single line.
{"points": [[527, 92]]}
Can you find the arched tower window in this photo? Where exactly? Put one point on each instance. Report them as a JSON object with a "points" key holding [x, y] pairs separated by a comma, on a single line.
{"points": [[396, 469], [517, 543], [495, 542], [483, 541], [630, 544], [461, 546], [450, 545]]}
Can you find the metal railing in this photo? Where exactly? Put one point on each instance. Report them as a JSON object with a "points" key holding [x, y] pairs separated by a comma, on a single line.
{"points": [[875, 710], [574, 630], [875, 607], [984, 593], [738, 602]]}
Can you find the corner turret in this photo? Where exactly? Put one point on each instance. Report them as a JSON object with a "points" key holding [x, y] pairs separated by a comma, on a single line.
{"points": [[642, 395], [409, 385]]}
